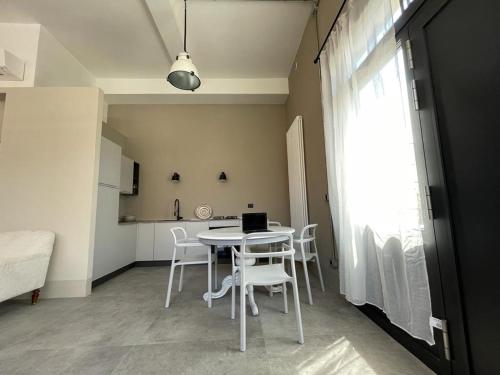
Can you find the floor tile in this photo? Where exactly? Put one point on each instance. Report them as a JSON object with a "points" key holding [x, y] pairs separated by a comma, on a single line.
{"points": [[123, 328], [215, 357], [96, 360]]}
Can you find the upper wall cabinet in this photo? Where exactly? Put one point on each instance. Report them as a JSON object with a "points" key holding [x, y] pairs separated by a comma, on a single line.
{"points": [[105, 108], [127, 176], [110, 163]]}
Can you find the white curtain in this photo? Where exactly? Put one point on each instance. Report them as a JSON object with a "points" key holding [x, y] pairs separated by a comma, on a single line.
{"points": [[372, 175]]}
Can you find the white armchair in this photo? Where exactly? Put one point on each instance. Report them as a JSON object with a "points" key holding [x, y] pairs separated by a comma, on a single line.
{"points": [[24, 260]]}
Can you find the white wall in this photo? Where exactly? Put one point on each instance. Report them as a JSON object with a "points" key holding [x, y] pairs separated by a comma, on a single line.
{"points": [[49, 155], [22, 41], [48, 62], [56, 66]]}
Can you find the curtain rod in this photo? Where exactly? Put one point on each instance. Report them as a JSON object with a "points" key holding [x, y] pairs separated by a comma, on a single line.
{"points": [[329, 32]]}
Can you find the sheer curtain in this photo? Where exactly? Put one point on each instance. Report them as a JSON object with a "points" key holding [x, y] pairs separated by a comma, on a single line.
{"points": [[372, 175]]}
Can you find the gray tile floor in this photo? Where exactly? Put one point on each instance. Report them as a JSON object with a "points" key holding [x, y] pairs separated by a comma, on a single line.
{"points": [[124, 329]]}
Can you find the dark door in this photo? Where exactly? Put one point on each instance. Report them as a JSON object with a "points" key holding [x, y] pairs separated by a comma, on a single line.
{"points": [[437, 356], [456, 72]]}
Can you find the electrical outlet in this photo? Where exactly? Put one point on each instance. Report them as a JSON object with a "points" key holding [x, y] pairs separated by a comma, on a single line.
{"points": [[250, 205]]}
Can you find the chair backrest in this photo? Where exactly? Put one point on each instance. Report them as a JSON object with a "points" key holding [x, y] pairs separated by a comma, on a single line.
{"points": [[273, 223], [309, 232], [267, 238], [179, 233]]}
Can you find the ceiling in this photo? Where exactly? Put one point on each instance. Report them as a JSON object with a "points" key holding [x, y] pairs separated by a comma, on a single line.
{"points": [[137, 38], [245, 39], [111, 38]]}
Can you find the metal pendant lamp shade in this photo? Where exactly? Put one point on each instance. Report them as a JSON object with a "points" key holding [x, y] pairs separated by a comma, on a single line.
{"points": [[183, 73]]}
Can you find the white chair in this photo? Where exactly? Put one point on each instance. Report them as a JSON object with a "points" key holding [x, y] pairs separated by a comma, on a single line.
{"points": [[272, 224], [308, 252], [189, 257], [271, 248], [263, 275]]}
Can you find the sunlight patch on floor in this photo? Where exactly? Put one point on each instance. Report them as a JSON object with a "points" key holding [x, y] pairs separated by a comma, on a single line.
{"points": [[338, 358]]}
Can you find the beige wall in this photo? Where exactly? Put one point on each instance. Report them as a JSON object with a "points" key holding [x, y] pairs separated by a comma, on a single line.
{"points": [[328, 9], [2, 106], [199, 141], [305, 99], [48, 172]]}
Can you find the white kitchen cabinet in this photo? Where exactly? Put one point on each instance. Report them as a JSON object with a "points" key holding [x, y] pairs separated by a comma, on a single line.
{"points": [[110, 163], [145, 242], [105, 109], [195, 227], [155, 241], [115, 244], [105, 232], [127, 176], [127, 239], [164, 241]]}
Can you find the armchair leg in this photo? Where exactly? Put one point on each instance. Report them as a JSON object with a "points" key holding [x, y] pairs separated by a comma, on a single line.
{"points": [[34, 296]]}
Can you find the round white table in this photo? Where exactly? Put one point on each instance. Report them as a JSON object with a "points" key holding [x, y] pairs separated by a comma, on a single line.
{"points": [[232, 237]]}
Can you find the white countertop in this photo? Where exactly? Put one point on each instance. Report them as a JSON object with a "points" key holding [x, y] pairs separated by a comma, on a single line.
{"points": [[164, 220]]}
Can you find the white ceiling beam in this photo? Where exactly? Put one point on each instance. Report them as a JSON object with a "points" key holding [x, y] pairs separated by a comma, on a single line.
{"points": [[163, 13], [212, 91]]}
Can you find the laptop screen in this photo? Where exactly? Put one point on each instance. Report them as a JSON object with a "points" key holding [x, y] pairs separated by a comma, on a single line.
{"points": [[254, 222]]}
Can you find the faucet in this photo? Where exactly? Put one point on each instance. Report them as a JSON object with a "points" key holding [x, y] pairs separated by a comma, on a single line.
{"points": [[177, 210]]}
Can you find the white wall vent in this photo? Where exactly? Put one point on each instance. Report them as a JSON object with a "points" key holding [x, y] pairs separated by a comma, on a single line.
{"points": [[11, 67]]}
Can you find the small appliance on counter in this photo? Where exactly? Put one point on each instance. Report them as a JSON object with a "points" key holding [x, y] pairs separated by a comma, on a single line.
{"points": [[231, 217]]}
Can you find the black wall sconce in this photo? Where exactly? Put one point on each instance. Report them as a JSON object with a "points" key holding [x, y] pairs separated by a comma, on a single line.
{"points": [[222, 177], [176, 177]]}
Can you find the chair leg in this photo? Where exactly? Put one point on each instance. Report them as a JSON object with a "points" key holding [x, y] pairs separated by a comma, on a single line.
{"points": [[181, 278], [233, 295], [298, 316], [308, 285], [209, 278], [320, 274], [170, 281], [243, 315], [285, 301], [271, 262]]}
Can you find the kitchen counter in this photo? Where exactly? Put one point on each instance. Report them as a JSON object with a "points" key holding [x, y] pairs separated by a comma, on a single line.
{"points": [[168, 220]]}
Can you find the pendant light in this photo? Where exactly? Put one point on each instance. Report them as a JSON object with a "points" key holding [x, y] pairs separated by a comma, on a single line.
{"points": [[183, 74]]}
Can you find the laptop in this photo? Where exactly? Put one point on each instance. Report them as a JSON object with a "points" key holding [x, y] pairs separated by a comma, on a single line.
{"points": [[254, 222]]}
